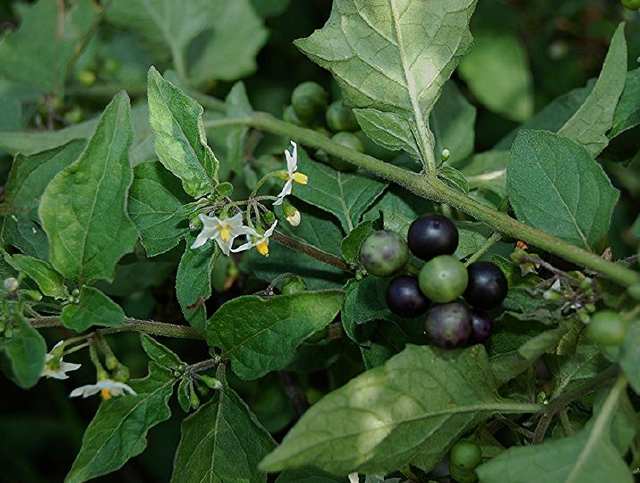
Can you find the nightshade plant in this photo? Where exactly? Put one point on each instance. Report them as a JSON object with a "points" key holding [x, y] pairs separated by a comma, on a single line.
{"points": [[176, 254]]}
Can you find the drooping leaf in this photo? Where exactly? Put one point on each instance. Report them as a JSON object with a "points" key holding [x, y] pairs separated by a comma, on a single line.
{"points": [[261, 334], [39, 52], [345, 195], [589, 125], [222, 441], [193, 281], [22, 352], [83, 209], [555, 185], [497, 72], [408, 411], [180, 140], [48, 280], [391, 59], [118, 432], [93, 308], [156, 207]]}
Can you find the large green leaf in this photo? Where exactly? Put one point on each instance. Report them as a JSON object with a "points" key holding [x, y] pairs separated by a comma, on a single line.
{"points": [[630, 355], [345, 195], [180, 140], [223, 441], [261, 334], [93, 308], [391, 59], [587, 457], [156, 207], [627, 113], [408, 411], [497, 72], [83, 209], [589, 125], [22, 352], [39, 52], [202, 36], [555, 185], [119, 429], [48, 280]]}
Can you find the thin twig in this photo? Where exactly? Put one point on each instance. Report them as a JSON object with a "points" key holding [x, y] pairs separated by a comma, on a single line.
{"points": [[294, 393]]}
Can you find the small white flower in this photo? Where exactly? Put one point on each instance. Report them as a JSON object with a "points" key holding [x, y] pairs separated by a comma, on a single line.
{"points": [[353, 478], [55, 367], [223, 231], [258, 240], [106, 387], [292, 174]]}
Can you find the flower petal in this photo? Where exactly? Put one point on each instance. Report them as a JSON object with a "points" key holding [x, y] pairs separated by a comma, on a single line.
{"points": [[286, 191]]}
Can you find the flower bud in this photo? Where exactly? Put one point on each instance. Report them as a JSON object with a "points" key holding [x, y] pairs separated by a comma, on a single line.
{"points": [[291, 213], [445, 154], [11, 284]]}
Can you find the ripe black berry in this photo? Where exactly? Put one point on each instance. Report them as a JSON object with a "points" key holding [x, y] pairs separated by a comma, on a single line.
{"points": [[404, 297], [487, 286], [481, 326], [449, 325], [383, 253], [432, 235]]}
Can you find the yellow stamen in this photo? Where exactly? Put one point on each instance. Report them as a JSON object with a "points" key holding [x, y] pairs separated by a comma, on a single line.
{"points": [[225, 232], [263, 247], [105, 394], [300, 178]]}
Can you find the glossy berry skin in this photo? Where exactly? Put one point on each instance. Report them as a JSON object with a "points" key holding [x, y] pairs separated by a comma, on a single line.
{"points": [[384, 253], [449, 325], [487, 287], [466, 455], [607, 328], [631, 4], [481, 326], [404, 297], [443, 279], [432, 235]]}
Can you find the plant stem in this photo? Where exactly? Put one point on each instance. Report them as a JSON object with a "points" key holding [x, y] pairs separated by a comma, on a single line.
{"points": [[492, 240], [433, 189], [150, 327], [310, 250]]}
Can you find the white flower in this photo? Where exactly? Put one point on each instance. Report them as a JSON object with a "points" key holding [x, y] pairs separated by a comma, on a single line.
{"points": [[106, 387], [353, 478], [223, 231], [294, 217], [292, 174], [258, 240], [55, 367]]}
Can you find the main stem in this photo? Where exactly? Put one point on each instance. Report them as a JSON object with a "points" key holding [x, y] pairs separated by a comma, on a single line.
{"points": [[431, 188]]}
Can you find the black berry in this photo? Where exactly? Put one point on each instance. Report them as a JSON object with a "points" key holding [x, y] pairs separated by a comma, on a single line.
{"points": [[432, 235], [487, 286], [481, 326], [404, 297], [449, 325]]}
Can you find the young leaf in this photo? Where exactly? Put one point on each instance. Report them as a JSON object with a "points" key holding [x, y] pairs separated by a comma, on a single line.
{"points": [[180, 140], [94, 308], [83, 209], [346, 196], [555, 185], [390, 67], [193, 281], [119, 429], [156, 207], [594, 118], [160, 354], [587, 457], [261, 334], [407, 412], [22, 353], [48, 280], [222, 441]]}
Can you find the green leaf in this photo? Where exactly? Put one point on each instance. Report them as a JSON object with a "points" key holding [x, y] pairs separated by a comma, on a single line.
{"points": [[589, 125], [39, 52], [364, 301], [351, 244], [587, 457], [316, 228], [345, 195], [83, 209], [627, 113], [48, 280], [193, 281], [119, 429], [555, 185], [391, 68], [222, 441], [407, 412], [308, 476], [94, 308], [156, 207], [630, 355], [497, 72], [180, 140], [160, 354], [237, 105], [399, 209], [488, 171], [22, 352], [261, 334]]}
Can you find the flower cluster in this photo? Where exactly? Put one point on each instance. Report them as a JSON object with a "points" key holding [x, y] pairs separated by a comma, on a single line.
{"points": [[249, 225]]}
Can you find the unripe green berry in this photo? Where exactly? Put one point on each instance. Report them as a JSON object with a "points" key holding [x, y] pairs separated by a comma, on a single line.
{"points": [[634, 291], [289, 115], [340, 117], [309, 101], [631, 4], [347, 140], [607, 328], [443, 279]]}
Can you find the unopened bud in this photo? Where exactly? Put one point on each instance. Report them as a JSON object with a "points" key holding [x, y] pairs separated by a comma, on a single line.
{"points": [[11, 284], [445, 154], [291, 213]]}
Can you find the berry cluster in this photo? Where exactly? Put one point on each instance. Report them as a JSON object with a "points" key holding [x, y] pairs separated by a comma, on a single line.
{"points": [[442, 281]]}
